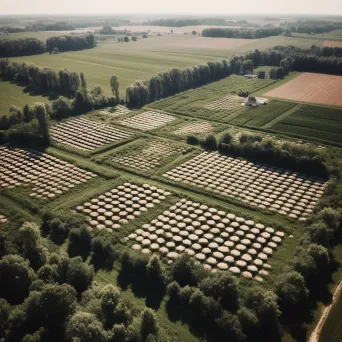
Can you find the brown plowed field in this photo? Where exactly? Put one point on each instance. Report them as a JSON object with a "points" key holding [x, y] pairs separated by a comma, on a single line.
{"points": [[211, 43], [309, 87], [332, 43]]}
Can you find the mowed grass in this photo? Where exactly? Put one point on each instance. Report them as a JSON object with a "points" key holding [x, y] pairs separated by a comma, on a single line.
{"points": [[316, 122], [142, 59], [11, 94]]}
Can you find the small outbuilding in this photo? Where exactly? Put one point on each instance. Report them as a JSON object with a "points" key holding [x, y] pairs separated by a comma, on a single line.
{"points": [[253, 101]]}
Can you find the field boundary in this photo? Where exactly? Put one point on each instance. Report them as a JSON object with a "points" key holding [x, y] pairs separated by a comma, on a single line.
{"points": [[314, 337]]}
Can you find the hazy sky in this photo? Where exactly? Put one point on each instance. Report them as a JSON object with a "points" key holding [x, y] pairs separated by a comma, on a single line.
{"points": [[170, 6]]}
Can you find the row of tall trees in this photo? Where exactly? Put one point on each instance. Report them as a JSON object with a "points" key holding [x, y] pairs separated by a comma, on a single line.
{"points": [[43, 79], [187, 22], [174, 81], [71, 43], [296, 59], [21, 47], [31, 124], [266, 150], [242, 32], [315, 26]]}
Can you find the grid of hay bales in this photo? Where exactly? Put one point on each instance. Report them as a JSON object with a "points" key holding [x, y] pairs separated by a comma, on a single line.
{"points": [[85, 134], [147, 121], [229, 102], [215, 238], [200, 127], [149, 155], [48, 176], [124, 203], [118, 110], [259, 185]]}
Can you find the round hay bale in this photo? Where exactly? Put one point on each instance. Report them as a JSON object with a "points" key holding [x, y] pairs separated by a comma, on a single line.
{"points": [[196, 247], [234, 270], [258, 262], [207, 267], [223, 249], [206, 251], [253, 269], [229, 244], [262, 256], [268, 251], [240, 247], [193, 237], [190, 252], [172, 255], [263, 273], [276, 239], [211, 261], [136, 247], [247, 275], [187, 242], [154, 247], [231, 216], [235, 253], [246, 257], [218, 255], [213, 245], [170, 245], [180, 249], [200, 257], [222, 266], [280, 234], [267, 266], [163, 250]]}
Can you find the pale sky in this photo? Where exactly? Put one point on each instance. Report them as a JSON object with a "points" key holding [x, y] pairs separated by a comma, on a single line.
{"points": [[170, 6]]}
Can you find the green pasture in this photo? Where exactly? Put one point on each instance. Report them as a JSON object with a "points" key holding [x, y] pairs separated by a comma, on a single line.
{"points": [[140, 60], [12, 94]]}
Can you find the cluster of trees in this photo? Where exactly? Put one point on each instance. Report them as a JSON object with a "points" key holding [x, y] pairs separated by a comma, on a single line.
{"points": [[31, 124], [186, 22], [57, 26], [315, 26], [267, 150], [242, 32], [174, 81], [11, 29], [41, 79], [71, 43], [49, 296], [212, 304], [21, 47], [297, 59]]}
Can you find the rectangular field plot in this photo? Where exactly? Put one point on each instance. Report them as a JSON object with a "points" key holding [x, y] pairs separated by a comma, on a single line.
{"points": [[121, 204], [309, 87], [147, 121], [257, 117], [226, 102], [333, 43], [116, 111], [259, 185], [150, 155], [48, 176], [194, 128], [313, 122], [85, 134], [217, 239]]}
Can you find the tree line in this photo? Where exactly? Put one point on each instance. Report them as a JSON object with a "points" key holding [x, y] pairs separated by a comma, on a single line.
{"points": [[242, 32], [21, 47], [174, 81], [295, 59], [33, 46], [71, 43], [315, 26], [41, 78], [266, 150], [186, 22]]}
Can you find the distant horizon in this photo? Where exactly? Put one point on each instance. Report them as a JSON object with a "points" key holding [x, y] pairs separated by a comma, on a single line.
{"points": [[176, 7]]}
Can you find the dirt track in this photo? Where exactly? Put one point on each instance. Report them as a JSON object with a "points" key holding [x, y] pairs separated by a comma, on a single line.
{"points": [[314, 337]]}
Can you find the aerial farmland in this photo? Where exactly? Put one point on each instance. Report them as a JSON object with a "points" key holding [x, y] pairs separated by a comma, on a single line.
{"points": [[169, 178]]}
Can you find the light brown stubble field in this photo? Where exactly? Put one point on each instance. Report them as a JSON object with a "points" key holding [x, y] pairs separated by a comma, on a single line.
{"points": [[310, 87]]}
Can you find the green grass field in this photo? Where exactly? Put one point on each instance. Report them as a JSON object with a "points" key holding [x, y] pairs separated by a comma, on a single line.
{"points": [[144, 58], [316, 122], [11, 94]]}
